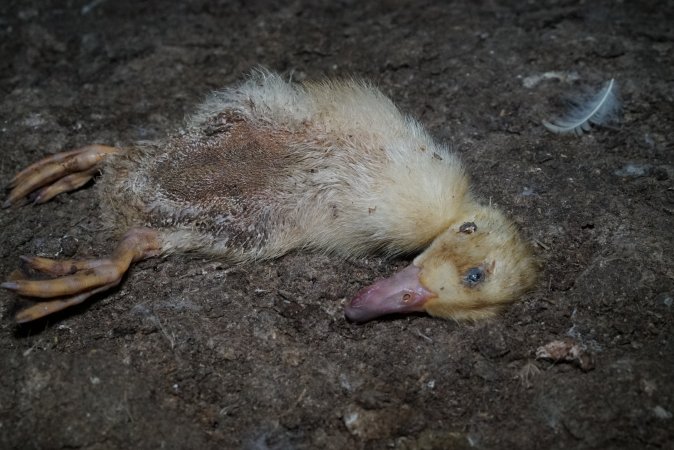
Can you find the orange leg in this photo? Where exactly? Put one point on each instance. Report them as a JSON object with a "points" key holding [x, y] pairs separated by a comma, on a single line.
{"points": [[77, 280], [61, 172]]}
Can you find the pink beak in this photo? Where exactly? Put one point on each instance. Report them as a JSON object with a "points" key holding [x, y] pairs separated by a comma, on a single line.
{"points": [[402, 293]]}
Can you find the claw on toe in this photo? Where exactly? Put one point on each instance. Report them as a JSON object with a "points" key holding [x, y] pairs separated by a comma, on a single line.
{"points": [[11, 285], [76, 280], [58, 173]]}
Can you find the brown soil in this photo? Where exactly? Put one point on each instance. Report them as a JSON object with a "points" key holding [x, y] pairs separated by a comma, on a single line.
{"points": [[191, 353]]}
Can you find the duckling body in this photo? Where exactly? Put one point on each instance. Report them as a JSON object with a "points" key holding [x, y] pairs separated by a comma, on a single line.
{"points": [[270, 166]]}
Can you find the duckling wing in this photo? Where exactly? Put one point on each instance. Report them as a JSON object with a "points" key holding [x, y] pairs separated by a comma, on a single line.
{"points": [[215, 191], [232, 166]]}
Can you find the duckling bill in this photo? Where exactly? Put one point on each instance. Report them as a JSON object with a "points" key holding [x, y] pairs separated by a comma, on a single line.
{"points": [[268, 166]]}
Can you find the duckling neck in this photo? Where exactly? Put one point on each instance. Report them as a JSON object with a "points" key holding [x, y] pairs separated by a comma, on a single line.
{"points": [[419, 204]]}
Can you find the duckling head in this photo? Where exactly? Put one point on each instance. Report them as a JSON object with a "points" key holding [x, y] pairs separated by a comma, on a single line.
{"points": [[473, 268]]}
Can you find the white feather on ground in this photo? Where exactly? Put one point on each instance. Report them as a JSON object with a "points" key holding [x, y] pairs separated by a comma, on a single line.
{"points": [[598, 110]]}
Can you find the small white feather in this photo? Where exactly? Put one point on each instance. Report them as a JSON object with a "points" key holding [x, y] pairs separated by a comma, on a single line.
{"points": [[598, 110]]}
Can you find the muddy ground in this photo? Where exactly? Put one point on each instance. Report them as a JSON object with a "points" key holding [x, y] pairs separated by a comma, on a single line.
{"points": [[193, 353]]}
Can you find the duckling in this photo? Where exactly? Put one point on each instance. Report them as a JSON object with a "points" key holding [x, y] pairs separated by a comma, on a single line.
{"points": [[269, 166]]}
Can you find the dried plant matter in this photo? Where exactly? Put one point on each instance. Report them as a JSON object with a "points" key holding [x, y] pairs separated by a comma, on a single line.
{"points": [[566, 351], [597, 110]]}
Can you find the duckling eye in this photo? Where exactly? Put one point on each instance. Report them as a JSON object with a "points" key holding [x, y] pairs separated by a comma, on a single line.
{"points": [[473, 276]]}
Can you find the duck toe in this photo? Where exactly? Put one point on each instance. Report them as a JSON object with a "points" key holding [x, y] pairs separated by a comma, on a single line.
{"points": [[58, 173]]}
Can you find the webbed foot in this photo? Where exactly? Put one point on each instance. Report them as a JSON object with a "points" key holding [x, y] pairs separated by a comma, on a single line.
{"points": [[76, 280], [58, 173]]}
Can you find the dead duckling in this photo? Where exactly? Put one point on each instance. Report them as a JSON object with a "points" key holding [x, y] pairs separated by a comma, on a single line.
{"points": [[268, 166]]}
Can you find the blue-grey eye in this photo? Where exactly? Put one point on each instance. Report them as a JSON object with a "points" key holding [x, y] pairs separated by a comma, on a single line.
{"points": [[474, 276]]}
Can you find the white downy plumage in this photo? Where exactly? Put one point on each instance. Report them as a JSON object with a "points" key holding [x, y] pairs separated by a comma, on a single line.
{"points": [[268, 166], [597, 110]]}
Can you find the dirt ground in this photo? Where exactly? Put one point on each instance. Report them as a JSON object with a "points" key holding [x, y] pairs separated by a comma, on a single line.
{"points": [[193, 353]]}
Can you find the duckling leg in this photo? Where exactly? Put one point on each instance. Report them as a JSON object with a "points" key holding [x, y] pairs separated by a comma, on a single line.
{"points": [[77, 280], [61, 172]]}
